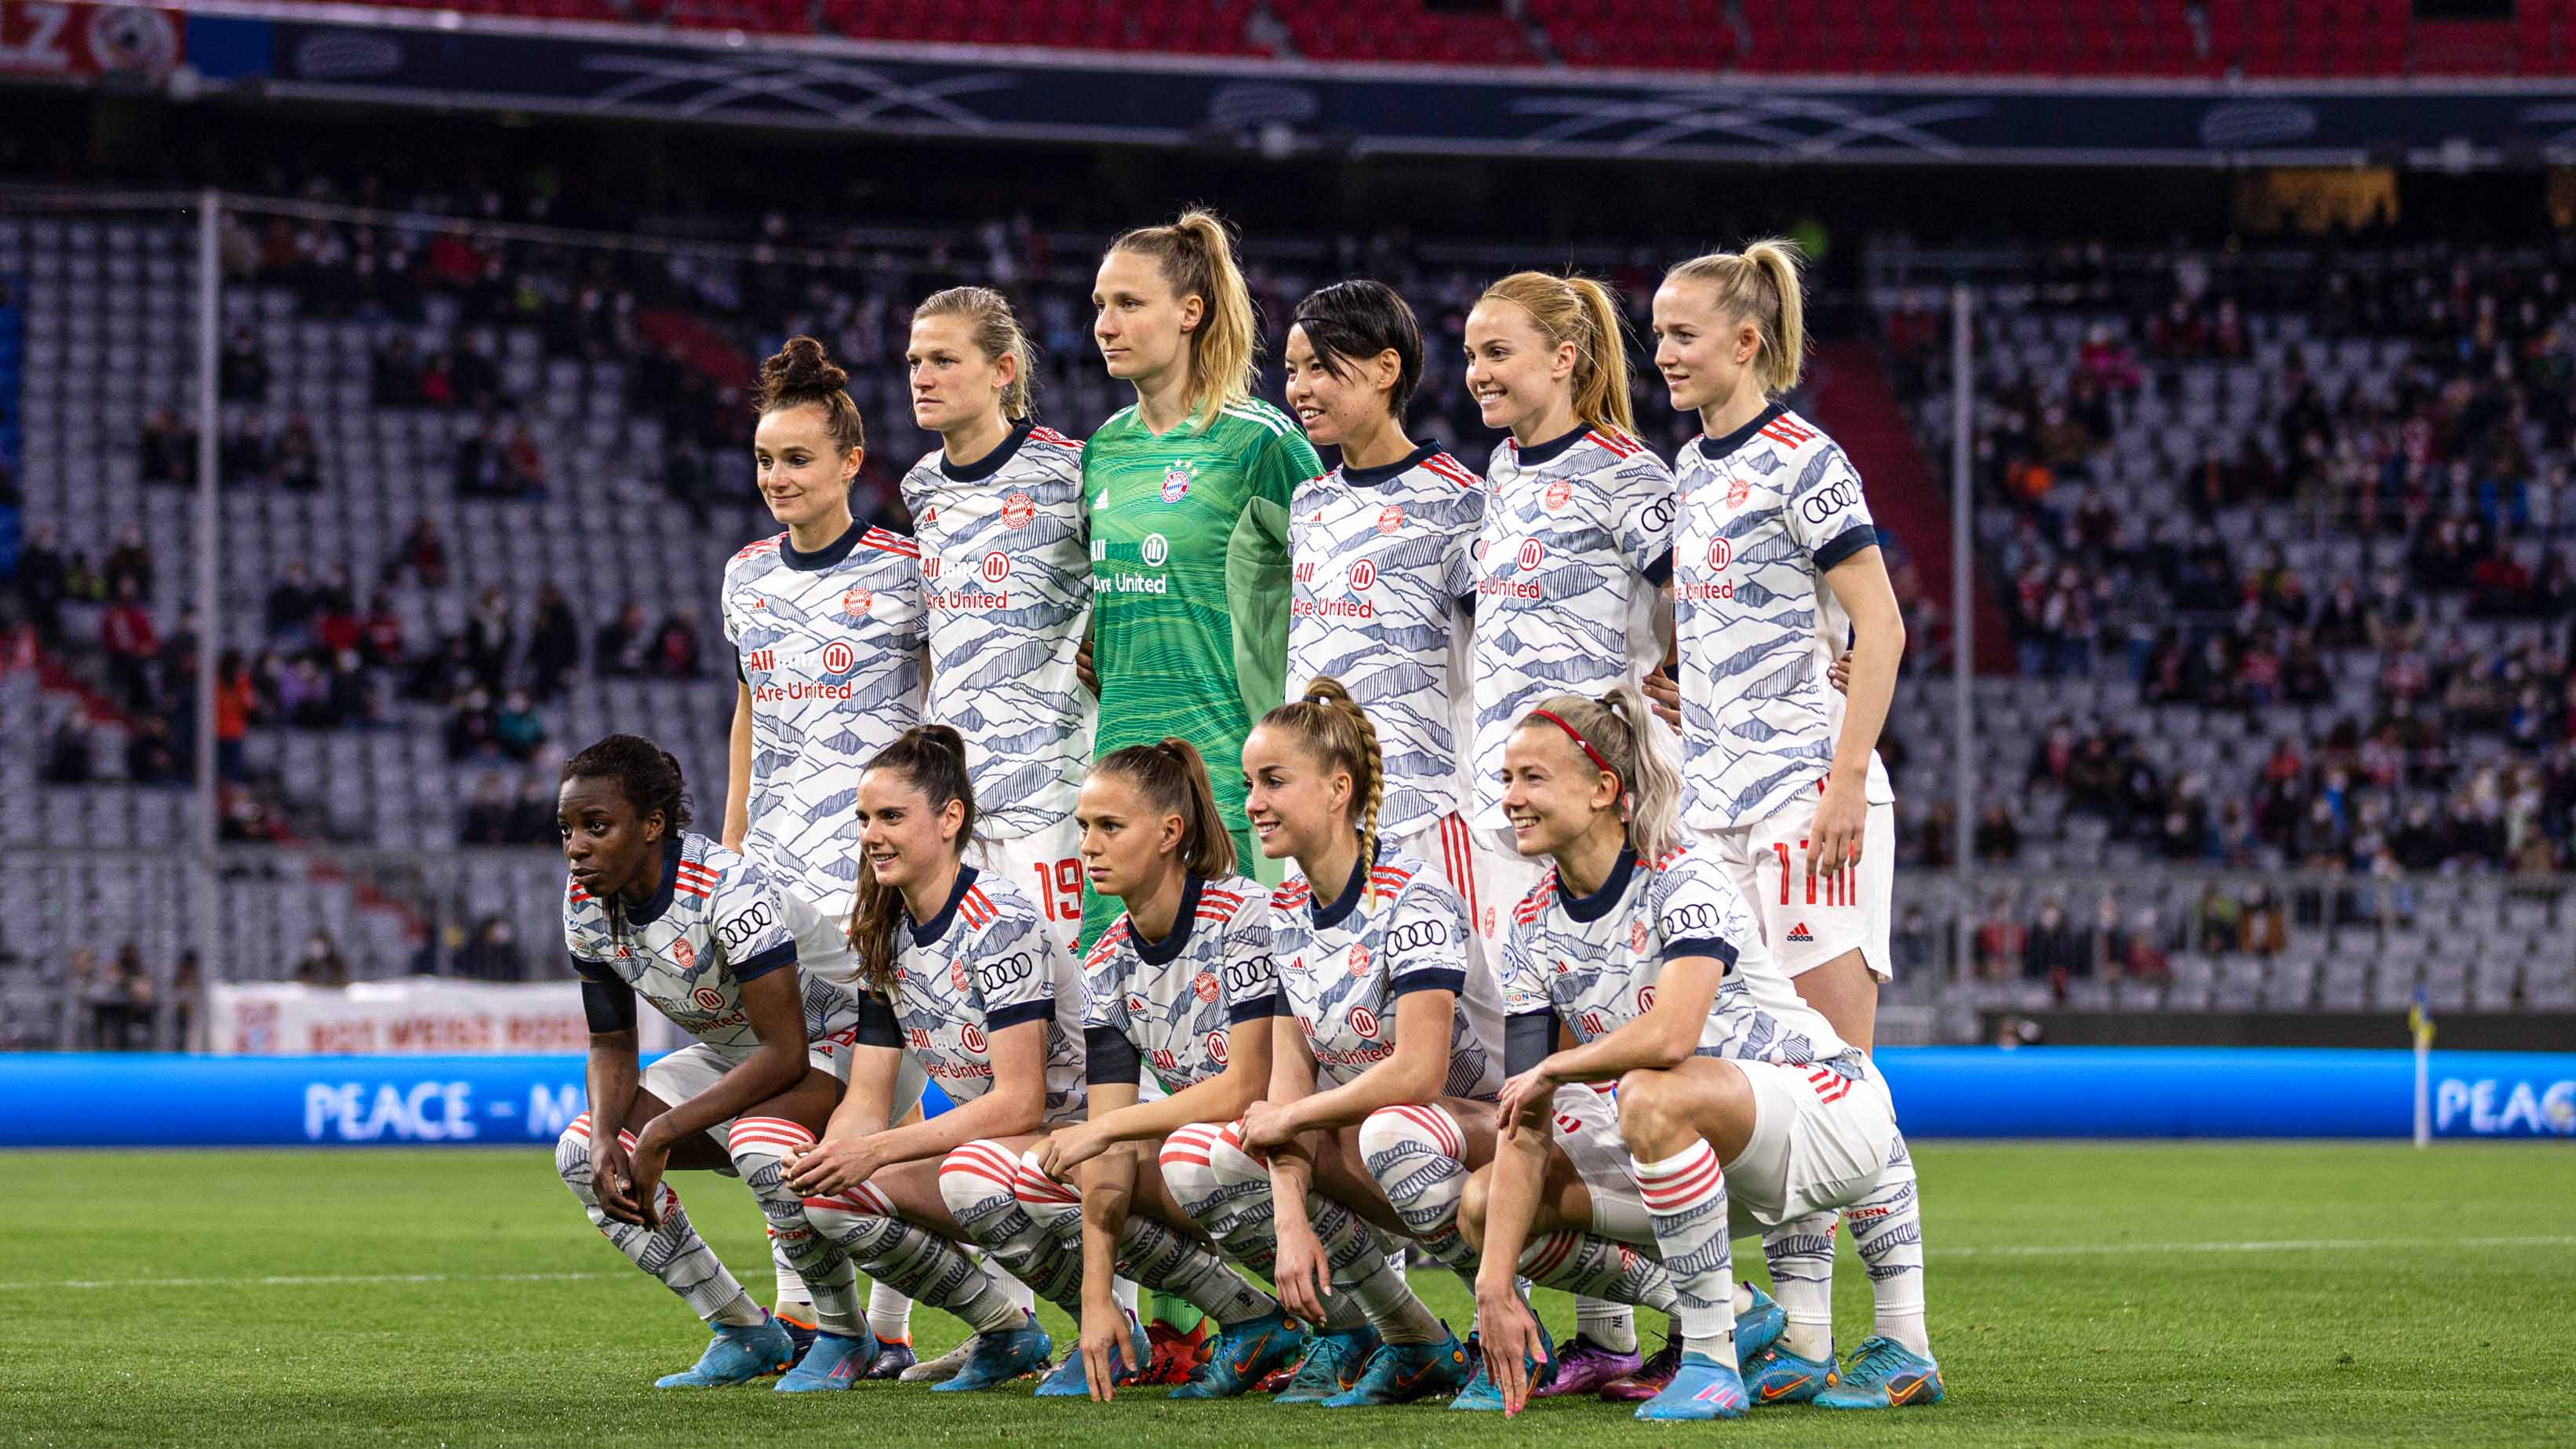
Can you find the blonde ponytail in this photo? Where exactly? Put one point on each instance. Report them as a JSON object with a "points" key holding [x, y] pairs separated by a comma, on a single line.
{"points": [[1760, 285], [1581, 311], [997, 334], [1332, 728], [1617, 731], [1197, 255]]}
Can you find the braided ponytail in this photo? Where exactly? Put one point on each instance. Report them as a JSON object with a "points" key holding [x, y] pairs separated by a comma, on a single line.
{"points": [[1336, 731]]}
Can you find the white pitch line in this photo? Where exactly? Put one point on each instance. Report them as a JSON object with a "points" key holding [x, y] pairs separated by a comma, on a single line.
{"points": [[2005, 1250]]}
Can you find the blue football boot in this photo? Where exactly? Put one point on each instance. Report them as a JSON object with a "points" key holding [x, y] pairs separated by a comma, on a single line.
{"points": [[1759, 1326], [1777, 1376], [890, 1358], [1884, 1374], [1399, 1373], [1482, 1396], [1071, 1380], [1001, 1356], [1333, 1362], [736, 1355], [1702, 1388], [832, 1362], [1243, 1356]]}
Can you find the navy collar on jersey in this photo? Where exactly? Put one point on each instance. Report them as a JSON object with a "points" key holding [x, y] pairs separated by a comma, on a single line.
{"points": [[1715, 448], [1389, 472], [1596, 905], [925, 932], [826, 556], [991, 463], [1168, 949], [1536, 454], [1329, 916], [660, 901]]}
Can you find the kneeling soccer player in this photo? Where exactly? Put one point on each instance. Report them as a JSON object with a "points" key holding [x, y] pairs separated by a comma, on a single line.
{"points": [[762, 981], [1659, 971]]}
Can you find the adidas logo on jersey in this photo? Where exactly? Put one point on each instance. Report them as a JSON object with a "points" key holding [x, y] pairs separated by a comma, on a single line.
{"points": [[1800, 935]]}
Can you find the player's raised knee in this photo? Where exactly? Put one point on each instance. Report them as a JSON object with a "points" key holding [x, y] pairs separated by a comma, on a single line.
{"points": [[1652, 1111], [1472, 1203], [1035, 1189], [976, 1173], [572, 1154], [1407, 1131]]}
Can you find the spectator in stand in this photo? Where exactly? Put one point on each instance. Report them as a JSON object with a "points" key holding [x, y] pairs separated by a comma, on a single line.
{"points": [[236, 704], [150, 758], [241, 373], [2144, 958], [1998, 839], [620, 647], [516, 727], [169, 452], [43, 583], [299, 458], [2000, 939], [396, 374], [523, 466], [487, 820], [130, 559], [424, 552], [533, 822], [554, 644], [482, 469], [248, 458], [675, 646], [321, 964], [473, 728], [380, 633], [132, 642], [70, 756], [187, 988], [101, 998], [82, 582], [291, 604], [493, 954], [489, 639], [2055, 949]]}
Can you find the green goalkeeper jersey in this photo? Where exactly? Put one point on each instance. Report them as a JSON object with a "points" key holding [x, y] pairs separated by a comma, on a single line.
{"points": [[1190, 590]]}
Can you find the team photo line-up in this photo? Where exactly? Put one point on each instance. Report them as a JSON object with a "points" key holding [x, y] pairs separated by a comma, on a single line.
{"points": [[1285, 873]]}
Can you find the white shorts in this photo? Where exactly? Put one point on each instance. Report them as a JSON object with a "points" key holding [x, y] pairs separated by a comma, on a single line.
{"points": [[1587, 1132], [1808, 920], [1047, 867], [1502, 877], [1443, 843], [694, 1068], [1821, 1137]]}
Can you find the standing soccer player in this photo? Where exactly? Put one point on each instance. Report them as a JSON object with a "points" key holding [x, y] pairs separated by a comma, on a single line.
{"points": [[1189, 490], [1384, 550], [1778, 563], [997, 509], [826, 619], [1576, 550], [764, 985]]}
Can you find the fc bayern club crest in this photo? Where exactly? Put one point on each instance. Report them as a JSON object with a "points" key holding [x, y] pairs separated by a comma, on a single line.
{"points": [[1359, 958], [684, 953], [1176, 484], [1390, 518], [1017, 510], [1737, 491], [1559, 494], [1204, 986], [856, 602]]}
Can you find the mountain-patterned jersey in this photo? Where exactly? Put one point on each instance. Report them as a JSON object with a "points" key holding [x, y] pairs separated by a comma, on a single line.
{"points": [[1343, 963], [1169, 1006]]}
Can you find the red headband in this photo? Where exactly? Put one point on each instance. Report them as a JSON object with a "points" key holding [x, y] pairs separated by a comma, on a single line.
{"points": [[1580, 742]]}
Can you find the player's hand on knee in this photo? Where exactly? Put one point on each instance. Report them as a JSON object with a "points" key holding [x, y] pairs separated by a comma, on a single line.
{"points": [[651, 1158], [830, 1168], [1064, 1151], [612, 1180]]}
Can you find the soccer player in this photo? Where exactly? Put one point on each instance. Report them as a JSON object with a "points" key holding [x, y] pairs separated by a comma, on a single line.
{"points": [[1652, 960], [826, 620], [1384, 553], [997, 509], [1393, 1039], [1777, 565], [1576, 550], [1189, 490], [959, 971], [763, 984], [1181, 984]]}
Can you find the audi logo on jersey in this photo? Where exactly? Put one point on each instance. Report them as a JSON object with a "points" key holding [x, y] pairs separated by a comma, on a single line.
{"points": [[1417, 935], [1363, 574], [1364, 1022], [1532, 551], [1004, 970], [1203, 986], [997, 566], [1390, 518], [1017, 510], [972, 1038], [708, 998], [1819, 506], [1691, 918], [1721, 553], [1216, 1047], [839, 658]]}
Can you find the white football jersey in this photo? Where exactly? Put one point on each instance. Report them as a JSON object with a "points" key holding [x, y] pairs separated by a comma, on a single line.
{"points": [[1169, 1005], [1006, 578], [984, 963], [829, 644], [1386, 583], [1576, 547], [716, 921], [1343, 963], [1594, 959], [1765, 512]]}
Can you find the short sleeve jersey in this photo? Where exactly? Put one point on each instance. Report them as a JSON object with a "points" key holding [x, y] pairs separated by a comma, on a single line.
{"points": [[1006, 580], [1344, 963], [1386, 582], [829, 647], [715, 921], [983, 964], [1594, 959], [1766, 512], [1189, 560], [1173, 1003], [1577, 541]]}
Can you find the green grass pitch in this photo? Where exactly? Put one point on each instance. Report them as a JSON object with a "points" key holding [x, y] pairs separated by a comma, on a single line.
{"points": [[2273, 1293]]}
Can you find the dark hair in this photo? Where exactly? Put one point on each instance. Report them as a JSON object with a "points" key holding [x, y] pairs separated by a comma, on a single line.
{"points": [[801, 375], [1332, 728], [1174, 781], [932, 759], [646, 774], [1354, 321]]}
